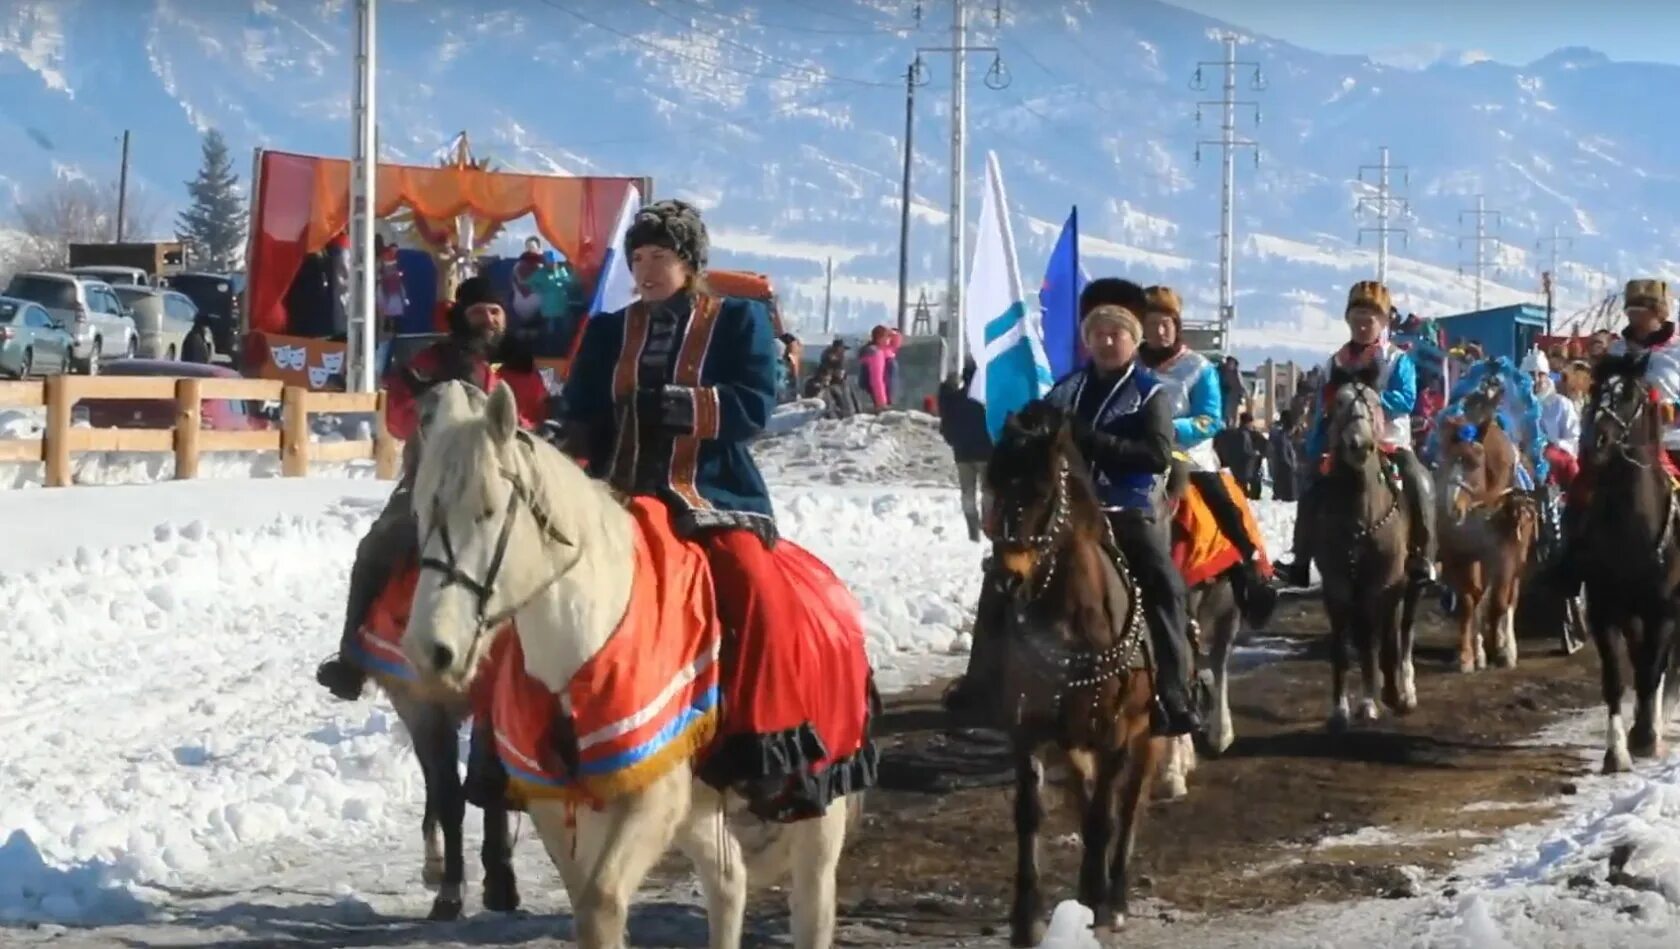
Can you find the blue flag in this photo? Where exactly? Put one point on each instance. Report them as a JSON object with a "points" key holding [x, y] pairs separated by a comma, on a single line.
{"points": [[1058, 299]]}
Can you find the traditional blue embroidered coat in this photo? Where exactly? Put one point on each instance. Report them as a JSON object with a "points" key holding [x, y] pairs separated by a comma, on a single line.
{"points": [[1124, 408], [668, 396]]}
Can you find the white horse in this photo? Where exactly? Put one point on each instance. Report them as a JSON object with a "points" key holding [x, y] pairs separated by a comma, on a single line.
{"points": [[513, 529]]}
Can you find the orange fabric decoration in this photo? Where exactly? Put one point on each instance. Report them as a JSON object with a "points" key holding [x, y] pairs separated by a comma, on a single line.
{"points": [[1200, 550], [647, 700]]}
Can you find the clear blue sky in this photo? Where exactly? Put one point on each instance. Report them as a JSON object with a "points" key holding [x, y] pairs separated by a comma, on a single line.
{"points": [[1510, 31]]}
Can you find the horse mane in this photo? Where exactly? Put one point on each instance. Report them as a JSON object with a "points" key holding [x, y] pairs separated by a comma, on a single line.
{"points": [[1366, 375], [1623, 365], [1038, 428]]}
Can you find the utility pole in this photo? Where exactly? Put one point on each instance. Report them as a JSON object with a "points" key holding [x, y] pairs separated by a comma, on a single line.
{"points": [[1548, 279], [1384, 205], [914, 76], [1481, 214], [996, 78], [362, 340], [122, 189], [828, 298], [1229, 143]]}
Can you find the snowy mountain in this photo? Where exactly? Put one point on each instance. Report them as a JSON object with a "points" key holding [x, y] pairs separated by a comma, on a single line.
{"points": [[786, 120]]}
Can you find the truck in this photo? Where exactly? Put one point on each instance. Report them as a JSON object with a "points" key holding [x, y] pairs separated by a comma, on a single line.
{"points": [[155, 258]]}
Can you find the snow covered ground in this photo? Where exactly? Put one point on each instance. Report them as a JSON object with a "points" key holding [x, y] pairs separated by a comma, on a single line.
{"points": [[170, 761]]}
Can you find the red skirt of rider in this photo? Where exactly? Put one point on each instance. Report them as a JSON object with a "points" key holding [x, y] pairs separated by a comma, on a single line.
{"points": [[796, 679]]}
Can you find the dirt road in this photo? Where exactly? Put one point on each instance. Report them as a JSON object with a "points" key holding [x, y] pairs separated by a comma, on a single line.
{"points": [[1260, 828]]}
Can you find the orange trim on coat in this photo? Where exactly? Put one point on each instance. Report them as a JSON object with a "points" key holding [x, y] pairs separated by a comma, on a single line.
{"points": [[691, 358], [708, 419], [622, 472]]}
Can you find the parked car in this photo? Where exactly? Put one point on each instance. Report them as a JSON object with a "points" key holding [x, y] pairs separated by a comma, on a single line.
{"points": [[219, 415], [217, 296], [88, 308], [31, 341], [164, 318], [113, 275]]}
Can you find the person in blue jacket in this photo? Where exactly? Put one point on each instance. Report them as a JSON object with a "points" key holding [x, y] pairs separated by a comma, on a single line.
{"points": [[1368, 311], [1198, 409]]}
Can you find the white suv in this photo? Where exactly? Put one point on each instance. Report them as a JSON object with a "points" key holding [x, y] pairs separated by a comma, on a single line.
{"points": [[89, 309]]}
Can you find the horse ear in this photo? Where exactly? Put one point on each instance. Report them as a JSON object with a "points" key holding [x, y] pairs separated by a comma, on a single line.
{"points": [[451, 403], [502, 411], [1368, 374]]}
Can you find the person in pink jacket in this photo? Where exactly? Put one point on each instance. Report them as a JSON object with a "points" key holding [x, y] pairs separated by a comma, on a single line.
{"points": [[877, 365]]}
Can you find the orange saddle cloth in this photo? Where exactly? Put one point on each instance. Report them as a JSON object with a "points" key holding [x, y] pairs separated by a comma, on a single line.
{"points": [[1200, 550]]}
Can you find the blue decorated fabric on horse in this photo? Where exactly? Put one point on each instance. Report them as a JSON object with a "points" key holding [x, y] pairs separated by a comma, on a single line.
{"points": [[1518, 413]]}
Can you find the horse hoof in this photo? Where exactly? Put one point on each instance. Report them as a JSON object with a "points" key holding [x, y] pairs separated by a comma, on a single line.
{"points": [[445, 910], [1645, 744], [1408, 704], [1616, 761], [1368, 711], [501, 897], [431, 874], [1391, 697], [1028, 937], [1173, 788], [1505, 660], [1466, 664], [1338, 722]]}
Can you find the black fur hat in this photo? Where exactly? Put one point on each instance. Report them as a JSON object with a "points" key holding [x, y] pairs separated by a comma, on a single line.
{"points": [[1112, 291], [674, 225], [471, 292]]}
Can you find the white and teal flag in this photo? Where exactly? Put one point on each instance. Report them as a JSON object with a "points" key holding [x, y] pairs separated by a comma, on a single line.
{"points": [[1011, 366]]}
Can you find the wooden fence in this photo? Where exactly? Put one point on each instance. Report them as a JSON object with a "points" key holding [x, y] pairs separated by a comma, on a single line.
{"points": [[60, 441]]}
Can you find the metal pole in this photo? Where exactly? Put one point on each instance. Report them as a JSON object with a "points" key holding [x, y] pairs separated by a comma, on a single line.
{"points": [[828, 299], [1227, 210], [904, 202], [362, 342], [1481, 237], [122, 189], [1382, 217], [959, 173]]}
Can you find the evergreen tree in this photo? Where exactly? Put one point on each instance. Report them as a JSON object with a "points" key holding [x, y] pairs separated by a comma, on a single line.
{"points": [[214, 226]]}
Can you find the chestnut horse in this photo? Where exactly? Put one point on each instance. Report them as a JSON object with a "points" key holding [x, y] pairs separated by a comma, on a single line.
{"points": [[1486, 535], [1073, 670]]}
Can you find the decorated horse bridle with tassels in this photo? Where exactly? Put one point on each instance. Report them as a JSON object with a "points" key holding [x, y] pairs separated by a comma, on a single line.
{"points": [[1068, 669]]}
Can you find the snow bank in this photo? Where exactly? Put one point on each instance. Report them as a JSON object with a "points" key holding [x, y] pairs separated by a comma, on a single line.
{"points": [[900, 448]]}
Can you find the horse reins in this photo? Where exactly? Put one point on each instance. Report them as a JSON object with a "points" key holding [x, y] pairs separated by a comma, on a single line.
{"points": [[520, 496], [1363, 533], [1099, 667]]}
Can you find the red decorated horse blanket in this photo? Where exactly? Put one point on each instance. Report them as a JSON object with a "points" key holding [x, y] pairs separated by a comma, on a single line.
{"points": [[783, 716]]}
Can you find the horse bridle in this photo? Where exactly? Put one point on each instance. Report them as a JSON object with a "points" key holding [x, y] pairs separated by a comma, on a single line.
{"points": [[1626, 424], [1054, 530], [520, 496]]}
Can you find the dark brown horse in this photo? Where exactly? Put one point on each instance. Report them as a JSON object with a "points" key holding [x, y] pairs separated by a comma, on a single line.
{"points": [[1487, 529], [1360, 545], [1074, 679], [1630, 552]]}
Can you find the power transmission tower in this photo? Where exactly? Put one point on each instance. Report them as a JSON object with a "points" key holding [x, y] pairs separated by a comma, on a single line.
{"points": [[1481, 238], [1549, 278], [997, 77], [1229, 143], [1384, 205]]}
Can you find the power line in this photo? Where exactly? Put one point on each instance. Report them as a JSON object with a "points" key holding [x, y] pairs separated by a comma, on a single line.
{"points": [[1229, 143], [754, 51], [645, 46], [882, 30], [1481, 214], [1383, 205]]}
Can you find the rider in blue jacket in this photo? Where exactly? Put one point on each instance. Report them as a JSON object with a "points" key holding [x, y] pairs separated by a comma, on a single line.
{"points": [[1192, 382], [1368, 312]]}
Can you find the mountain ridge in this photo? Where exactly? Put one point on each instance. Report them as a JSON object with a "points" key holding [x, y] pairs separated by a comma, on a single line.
{"points": [[786, 124]]}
